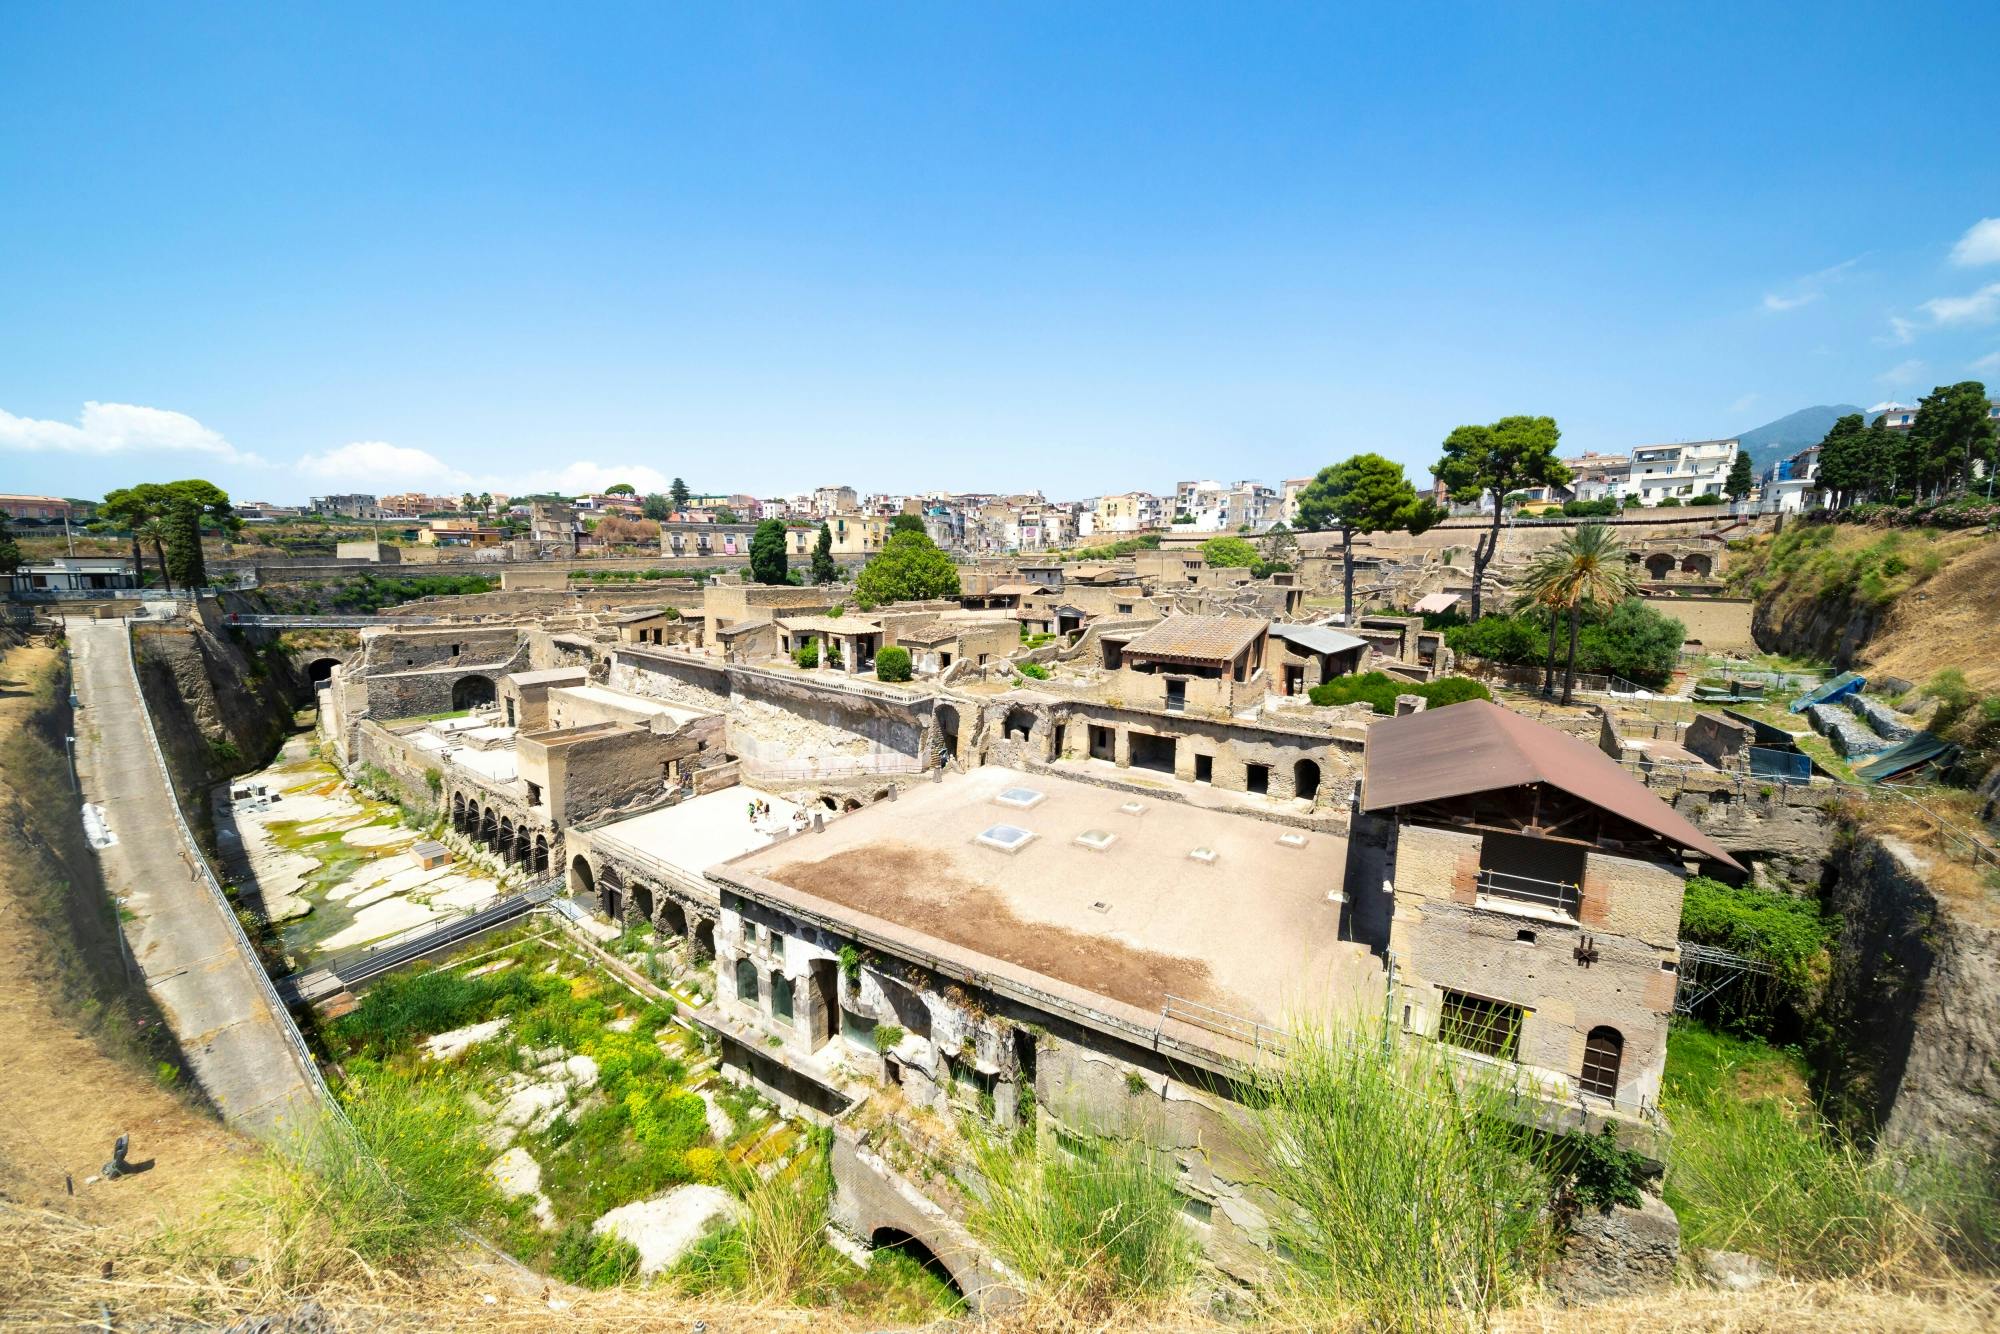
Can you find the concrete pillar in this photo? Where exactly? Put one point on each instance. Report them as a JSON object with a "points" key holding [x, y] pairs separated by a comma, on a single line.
{"points": [[1121, 748]]}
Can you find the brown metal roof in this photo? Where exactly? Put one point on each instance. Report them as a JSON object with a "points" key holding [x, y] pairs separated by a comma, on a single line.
{"points": [[1209, 637], [1478, 746]]}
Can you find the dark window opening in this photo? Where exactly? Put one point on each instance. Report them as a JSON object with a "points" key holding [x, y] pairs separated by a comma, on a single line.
{"points": [[1257, 777], [1603, 1051], [1176, 696], [1489, 1027], [1152, 752], [1531, 871], [1204, 768], [781, 997], [1103, 743]]}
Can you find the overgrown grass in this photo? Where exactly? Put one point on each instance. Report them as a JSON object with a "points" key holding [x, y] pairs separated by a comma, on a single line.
{"points": [[1408, 1195], [1088, 1224], [1755, 1167]]}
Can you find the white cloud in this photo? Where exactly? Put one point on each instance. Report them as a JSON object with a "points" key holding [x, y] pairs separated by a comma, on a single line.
{"points": [[1990, 363], [1981, 307], [1902, 374], [119, 428], [1774, 302], [1901, 331], [1980, 244], [378, 466], [1807, 289], [583, 476], [1745, 403]]}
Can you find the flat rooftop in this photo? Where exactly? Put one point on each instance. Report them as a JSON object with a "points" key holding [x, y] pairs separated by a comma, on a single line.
{"points": [[700, 832], [617, 701], [1253, 931]]}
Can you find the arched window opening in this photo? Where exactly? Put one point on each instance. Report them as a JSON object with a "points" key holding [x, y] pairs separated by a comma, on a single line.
{"points": [[1603, 1051]]}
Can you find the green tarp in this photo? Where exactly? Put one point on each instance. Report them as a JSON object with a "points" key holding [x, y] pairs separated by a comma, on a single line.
{"points": [[1919, 751]]}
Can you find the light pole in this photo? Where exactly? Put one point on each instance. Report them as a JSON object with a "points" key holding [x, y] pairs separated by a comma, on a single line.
{"points": [[69, 749]]}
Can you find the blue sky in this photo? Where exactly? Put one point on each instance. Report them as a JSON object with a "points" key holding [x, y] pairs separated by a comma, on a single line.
{"points": [[1080, 248]]}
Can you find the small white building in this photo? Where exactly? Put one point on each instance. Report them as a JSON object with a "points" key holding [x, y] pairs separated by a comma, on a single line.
{"points": [[74, 574]]}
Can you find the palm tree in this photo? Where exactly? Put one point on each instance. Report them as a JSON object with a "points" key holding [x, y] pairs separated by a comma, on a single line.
{"points": [[485, 502], [153, 529], [1539, 592], [1589, 571]]}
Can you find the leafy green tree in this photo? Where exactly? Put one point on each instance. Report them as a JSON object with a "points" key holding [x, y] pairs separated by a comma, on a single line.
{"points": [[1844, 468], [679, 492], [1229, 553], [485, 502], [467, 503], [724, 514], [906, 523], [656, 506], [137, 507], [181, 527], [1494, 461], [10, 550], [768, 562], [1634, 641], [908, 568], [1954, 430], [1739, 482], [621, 489], [824, 571], [1364, 494]]}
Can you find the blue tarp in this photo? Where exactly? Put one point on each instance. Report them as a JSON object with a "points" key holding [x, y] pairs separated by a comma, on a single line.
{"points": [[1840, 687], [1787, 766]]}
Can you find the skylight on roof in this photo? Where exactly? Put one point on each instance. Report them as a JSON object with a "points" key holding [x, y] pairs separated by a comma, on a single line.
{"points": [[1206, 856], [1021, 798], [1008, 838], [1097, 840], [1132, 808], [1291, 840]]}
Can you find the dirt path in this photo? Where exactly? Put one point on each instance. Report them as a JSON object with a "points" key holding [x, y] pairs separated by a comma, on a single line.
{"points": [[63, 1099]]}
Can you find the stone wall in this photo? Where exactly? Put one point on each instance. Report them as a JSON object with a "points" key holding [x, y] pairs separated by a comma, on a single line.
{"points": [[1913, 1004], [1721, 624]]}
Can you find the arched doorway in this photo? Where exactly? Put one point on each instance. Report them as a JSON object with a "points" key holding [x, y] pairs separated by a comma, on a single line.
{"points": [[895, 1239], [458, 811], [1697, 564], [541, 855], [611, 893], [1305, 780], [1659, 565], [582, 884], [1603, 1053], [704, 939], [642, 903], [947, 723], [470, 692], [673, 917], [320, 670], [506, 846], [489, 829]]}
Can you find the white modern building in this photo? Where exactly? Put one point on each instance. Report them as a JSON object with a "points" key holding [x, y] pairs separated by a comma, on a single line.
{"points": [[1695, 468]]}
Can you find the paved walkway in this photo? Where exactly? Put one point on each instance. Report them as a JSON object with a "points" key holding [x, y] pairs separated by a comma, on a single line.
{"points": [[183, 943]]}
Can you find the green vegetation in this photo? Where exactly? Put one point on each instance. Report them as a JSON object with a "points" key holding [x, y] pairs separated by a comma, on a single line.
{"points": [[1124, 546], [1585, 571], [1591, 509], [1632, 640], [1495, 461], [1363, 494], [1754, 1167], [908, 568], [1092, 1223], [1233, 553], [1812, 561], [369, 593], [10, 550], [824, 570], [808, 653], [892, 664], [1033, 670], [768, 562], [1783, 930], [1409, 1194], [1381, 690]]}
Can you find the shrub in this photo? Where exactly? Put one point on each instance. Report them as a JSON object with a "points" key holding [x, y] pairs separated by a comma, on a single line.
{"points": [[887, 1036], [593, 1260], [1380, 690], [1705, 500], [1670, 503], [1033, 670], [892, 664], [1783, 930]]}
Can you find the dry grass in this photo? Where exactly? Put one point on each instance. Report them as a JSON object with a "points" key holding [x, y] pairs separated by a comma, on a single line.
{"points": [[1948, 620], [1939, 827]]}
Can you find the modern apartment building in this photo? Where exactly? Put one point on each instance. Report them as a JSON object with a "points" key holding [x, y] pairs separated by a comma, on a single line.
{"points": [[1696, 468]]}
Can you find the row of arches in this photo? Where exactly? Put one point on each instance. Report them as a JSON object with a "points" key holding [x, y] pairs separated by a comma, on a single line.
{"points": [[519, 844], [603, 891], [1661, 564]]}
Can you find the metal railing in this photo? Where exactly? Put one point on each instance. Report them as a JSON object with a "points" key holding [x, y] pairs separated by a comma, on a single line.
{"points": [[443, 933], [1252, 1033], [1558, 895]]}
